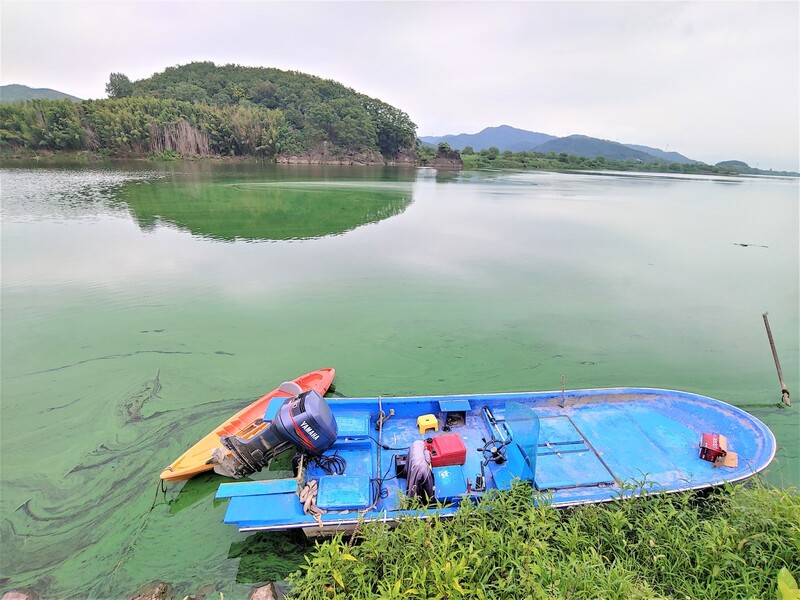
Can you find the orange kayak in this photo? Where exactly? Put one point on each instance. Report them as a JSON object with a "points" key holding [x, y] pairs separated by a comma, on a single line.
{"points": [[245, 424]]}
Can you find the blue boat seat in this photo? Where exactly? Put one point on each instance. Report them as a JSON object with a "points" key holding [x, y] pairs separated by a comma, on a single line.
{"points": [[248, 499], [343, 492], [457, 405], [257, 488], [352, 425], [249, 511], [450, 483]]}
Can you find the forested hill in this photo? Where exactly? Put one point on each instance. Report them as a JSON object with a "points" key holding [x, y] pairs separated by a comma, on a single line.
{"points": [[581, 145], [506, 138], [202, 109]]}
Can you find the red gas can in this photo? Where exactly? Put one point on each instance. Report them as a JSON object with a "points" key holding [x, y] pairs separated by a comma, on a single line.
{"points": [[446, 450], [713, 446]]}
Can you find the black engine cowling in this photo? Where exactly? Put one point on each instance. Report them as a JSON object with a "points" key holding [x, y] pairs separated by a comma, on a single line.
{"points": [[304, 423]]}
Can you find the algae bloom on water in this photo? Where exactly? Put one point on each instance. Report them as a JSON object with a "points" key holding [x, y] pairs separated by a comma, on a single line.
{"points": [[729, 543]]}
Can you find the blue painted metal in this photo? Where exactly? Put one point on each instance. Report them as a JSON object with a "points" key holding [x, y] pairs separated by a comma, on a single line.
{"points": [[564, 458], [458, 405], [450, 483], [343, 492], [353, 426], [592, 446], [257, 488], [273, 407]]}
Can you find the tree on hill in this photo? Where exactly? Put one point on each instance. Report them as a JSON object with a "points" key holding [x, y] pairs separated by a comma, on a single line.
{"points": [[119, 86]]}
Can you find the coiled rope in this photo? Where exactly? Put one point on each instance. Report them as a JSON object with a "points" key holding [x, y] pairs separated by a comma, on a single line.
{"points": [[308, 496]]}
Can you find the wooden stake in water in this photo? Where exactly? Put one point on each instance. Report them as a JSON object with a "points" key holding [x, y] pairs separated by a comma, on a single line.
{"points": [[784, 392]]}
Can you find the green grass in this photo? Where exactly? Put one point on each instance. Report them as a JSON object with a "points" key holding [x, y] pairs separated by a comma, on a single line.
{"points": [[730, 543]]}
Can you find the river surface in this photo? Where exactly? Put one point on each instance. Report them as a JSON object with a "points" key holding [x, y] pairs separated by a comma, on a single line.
{"points": [[143, 304]]}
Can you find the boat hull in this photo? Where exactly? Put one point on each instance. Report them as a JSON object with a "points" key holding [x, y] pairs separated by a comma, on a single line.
{"points": [[245, 423], [592, 446]]}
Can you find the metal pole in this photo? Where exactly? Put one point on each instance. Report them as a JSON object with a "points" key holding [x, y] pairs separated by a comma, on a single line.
{"points": [[784, 392]]}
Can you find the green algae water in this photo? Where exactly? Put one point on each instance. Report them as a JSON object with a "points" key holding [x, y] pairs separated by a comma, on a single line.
{"points": [[142, 305]]}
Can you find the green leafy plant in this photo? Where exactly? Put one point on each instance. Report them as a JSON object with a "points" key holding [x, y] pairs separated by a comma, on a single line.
{"points": [[787, 586], [731, 542]]}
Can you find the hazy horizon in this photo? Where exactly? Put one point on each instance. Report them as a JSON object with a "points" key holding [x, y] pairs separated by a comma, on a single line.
{"points": [[712, 80]]}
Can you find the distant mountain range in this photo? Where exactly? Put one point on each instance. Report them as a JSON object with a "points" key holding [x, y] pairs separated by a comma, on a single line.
{"points": [[506, 138], [503, 138], [19, 93]]}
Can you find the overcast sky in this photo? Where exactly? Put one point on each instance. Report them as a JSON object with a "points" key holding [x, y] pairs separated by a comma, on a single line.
{"points": [[711, 80]]}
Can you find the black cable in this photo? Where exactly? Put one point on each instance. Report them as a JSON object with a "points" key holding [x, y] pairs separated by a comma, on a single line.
{"points": [[332, 465], [382, 491], [378, 491], [384, 478]]}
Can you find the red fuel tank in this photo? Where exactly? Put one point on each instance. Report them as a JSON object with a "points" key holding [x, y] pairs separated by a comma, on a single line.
{"points": [[446, 450]]}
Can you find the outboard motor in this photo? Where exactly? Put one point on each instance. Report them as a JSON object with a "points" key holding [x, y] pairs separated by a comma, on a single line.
{"points": [[305, 423], [419, 482]]}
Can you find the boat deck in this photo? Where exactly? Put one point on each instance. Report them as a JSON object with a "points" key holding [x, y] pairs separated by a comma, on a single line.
{"points": [[590, 446]]}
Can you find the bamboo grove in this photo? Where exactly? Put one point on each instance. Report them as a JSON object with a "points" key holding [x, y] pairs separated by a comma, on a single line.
{"points": [[201, 109]]}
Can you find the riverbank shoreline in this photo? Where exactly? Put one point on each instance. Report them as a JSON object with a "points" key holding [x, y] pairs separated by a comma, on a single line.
{"points": [[321, 156], [448, 163], [742, 540], [159, 590]]}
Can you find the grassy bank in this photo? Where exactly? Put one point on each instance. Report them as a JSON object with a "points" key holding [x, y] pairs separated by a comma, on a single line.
{"points": [[534, 161], [520, 161], [12, 155], [730, 543]]}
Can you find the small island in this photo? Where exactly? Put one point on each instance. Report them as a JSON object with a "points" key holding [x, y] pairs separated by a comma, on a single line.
{"points": [[204, 110]]}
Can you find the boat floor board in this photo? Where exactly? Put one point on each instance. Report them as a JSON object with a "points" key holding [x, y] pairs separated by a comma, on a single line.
{"points": [[257, 488], [565, 459]]}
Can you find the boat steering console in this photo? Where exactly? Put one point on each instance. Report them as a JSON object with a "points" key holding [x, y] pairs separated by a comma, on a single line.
{"points": [[493, 449]]}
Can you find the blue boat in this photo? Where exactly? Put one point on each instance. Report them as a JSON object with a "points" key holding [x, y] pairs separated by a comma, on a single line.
{"points": [[360, 459]]}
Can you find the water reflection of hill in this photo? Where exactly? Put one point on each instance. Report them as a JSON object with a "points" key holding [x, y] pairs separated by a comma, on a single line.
{"points": [[266, 210]]}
